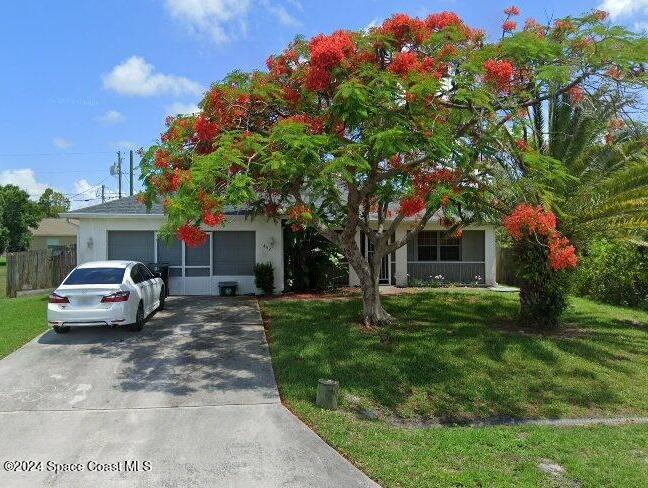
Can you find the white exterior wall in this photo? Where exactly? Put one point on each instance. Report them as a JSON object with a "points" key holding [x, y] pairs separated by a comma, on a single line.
{"points": [[92, 242], [401, 254]]}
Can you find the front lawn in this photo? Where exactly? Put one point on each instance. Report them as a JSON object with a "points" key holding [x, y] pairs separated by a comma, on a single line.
{"points": [[21, 319], [456, 356]]}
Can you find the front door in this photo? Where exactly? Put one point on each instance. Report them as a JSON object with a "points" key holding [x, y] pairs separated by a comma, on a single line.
{"points": [[385, 266]]}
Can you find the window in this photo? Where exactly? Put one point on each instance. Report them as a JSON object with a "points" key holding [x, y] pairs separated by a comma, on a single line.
{"points": [[427, 246], [450, 247], [147, 274], [433, 245], [96, 276], [136, 274], [234, 253]]}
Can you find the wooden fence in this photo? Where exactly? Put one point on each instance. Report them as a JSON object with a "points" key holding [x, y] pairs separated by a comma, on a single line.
{"points": [[38, 270], [505, 270]]}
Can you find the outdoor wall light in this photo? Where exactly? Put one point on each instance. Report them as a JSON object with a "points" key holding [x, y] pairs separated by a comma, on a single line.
{"points": [[90, 243]]}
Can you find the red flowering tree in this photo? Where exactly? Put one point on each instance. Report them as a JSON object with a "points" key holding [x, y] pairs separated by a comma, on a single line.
{"points": [[542, 254], [366, 130]]}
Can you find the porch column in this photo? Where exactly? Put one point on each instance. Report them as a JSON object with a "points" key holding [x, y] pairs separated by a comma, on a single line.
{"points": [[353, 277], [401, 258], [490, 256]]}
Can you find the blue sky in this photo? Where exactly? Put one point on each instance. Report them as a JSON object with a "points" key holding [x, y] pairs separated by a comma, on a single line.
{"points": [[84, 79]]}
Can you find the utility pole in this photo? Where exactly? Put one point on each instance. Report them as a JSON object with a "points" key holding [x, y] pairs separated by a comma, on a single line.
{"points": [[131, 172], [119, 172], [103, 193]]}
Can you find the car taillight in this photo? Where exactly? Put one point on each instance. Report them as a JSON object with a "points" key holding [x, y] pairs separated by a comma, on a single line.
{"points": [[118, 296], [54, 298]]}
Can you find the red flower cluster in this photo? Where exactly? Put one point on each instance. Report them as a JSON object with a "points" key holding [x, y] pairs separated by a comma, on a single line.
{"points": [[509, 26], [192, 235], [404, 28], [512, 10], [527, 220], [522, 145], [179, 177], [405, 63], [601, 15], [162, 158], [327, 52], [576, 94], [437, 22], [499, 72], [205, 130], [532, 25], [410, 206], [213, 219]]}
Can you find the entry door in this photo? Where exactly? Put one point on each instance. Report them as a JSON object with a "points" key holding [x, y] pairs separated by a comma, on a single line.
{"points": [[198, 269], [385, 265]]}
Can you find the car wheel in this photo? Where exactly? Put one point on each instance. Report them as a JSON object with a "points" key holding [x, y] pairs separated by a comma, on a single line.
{"points": [[139, 318], [162, 298], [61, 329]]}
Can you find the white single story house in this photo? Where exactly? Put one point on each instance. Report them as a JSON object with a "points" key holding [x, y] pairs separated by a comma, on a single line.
{"points": [[124, 229]]}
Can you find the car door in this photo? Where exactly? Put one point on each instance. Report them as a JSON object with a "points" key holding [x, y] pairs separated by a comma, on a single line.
{"points": [[138, 280], [153, 288]]}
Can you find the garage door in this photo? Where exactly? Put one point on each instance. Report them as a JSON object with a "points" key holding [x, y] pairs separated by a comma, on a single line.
{"points": [[131, 245]]}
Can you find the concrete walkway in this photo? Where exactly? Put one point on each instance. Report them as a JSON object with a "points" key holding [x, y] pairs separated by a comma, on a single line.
{"points": [[191, 398]]}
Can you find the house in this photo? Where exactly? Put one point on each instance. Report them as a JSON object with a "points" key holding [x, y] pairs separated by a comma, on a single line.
{"points": [[124, 229], [54, 233]]}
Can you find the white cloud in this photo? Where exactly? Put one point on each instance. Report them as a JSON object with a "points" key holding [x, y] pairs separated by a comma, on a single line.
{"points": [[83, 189], [280, 12], [111, 117], [181, 108], [222, 20], [25, 179], [218, 19], [136, 77], [61, 143], [624, 8]]}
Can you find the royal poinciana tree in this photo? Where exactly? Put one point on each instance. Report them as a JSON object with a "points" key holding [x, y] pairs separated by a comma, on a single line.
{"points": [[367, 130]]}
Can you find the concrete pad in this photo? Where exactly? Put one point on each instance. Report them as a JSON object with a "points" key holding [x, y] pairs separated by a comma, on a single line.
{"points": [[193, 394]]}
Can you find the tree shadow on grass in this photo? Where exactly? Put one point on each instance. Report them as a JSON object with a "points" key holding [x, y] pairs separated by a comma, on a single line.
{"points": [[444, 358]]}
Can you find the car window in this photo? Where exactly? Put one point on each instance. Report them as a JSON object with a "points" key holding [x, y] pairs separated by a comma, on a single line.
{"points": [[95, 276], [146, 272], [136, 276]]}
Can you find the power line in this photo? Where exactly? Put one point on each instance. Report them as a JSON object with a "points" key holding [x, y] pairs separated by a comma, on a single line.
{"points": [[54, 154]]}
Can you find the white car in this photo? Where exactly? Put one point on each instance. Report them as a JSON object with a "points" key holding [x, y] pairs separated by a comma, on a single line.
{"points": [[106, 293]]}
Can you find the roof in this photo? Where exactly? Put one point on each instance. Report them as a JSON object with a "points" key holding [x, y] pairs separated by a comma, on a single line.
{"points": [[55, 227], [128, 206]]}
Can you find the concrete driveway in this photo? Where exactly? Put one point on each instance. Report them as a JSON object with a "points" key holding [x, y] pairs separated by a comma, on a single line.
{"points": [[189, 401]]}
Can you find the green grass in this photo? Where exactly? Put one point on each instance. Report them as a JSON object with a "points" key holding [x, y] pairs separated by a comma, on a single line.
{"points": [[457, 355], [21, 319]]}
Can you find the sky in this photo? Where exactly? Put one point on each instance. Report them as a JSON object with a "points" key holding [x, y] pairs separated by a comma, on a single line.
{"points": [[84, 79]]}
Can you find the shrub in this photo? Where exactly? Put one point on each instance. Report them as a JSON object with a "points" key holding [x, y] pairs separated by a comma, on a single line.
{"points": [[264, 277], [613, 272]]}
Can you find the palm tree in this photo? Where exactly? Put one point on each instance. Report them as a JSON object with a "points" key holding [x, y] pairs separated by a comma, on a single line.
{"points": [[604, 188]]}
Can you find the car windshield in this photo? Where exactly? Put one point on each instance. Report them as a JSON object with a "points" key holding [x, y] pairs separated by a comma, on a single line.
{"points": [[96, 276]]}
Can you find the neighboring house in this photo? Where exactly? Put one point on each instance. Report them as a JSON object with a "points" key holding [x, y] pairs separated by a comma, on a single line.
{"points": [[54, 233], [123, 229]]}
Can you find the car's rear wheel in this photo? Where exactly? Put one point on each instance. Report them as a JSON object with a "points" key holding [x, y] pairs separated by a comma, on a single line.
{"points": [[162, 298], [139, 318], [61, 329]]}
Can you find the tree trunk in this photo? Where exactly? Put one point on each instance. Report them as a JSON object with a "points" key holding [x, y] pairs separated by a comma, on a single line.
{"points": [[373, 313]]}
